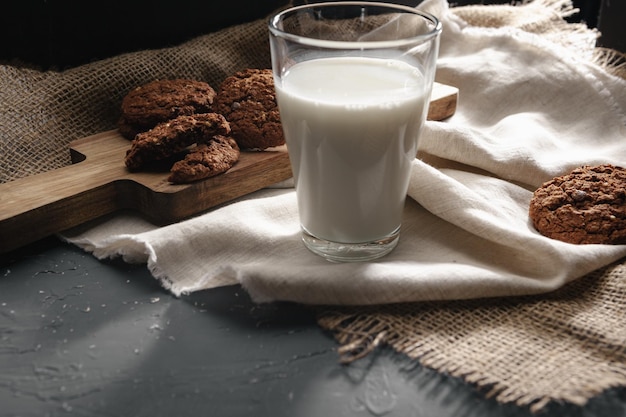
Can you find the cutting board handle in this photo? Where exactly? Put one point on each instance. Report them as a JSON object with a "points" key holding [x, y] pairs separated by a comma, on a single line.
{"points": [[37, 206], [98, 184]]}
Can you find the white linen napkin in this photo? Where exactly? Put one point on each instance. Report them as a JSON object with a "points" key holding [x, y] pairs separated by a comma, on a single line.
{"points": [[529, 109]]}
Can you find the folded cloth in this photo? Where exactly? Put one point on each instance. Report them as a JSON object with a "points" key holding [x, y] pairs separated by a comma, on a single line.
{"points": [[529, 109]]}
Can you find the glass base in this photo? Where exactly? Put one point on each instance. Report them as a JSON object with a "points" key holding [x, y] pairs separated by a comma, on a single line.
{"points": [[351, 252]]}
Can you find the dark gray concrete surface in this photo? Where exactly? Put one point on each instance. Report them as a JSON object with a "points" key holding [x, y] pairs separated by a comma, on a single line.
{"points": [[82, 337]]}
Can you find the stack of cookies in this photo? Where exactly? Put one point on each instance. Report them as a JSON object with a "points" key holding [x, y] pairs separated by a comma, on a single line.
{"points": [[195, 131]]}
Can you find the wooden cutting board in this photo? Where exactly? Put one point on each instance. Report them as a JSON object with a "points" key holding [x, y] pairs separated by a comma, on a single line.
{"points": [[98, 183]]}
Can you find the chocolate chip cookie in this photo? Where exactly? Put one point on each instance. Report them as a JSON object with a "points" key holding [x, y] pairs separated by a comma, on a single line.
{"points": [[585, 206], [161, 100], [248, 101], [173, 137], [206, 160]]}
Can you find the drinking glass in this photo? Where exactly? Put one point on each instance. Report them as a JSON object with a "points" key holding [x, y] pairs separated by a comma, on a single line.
{"points": [[353, 82]]}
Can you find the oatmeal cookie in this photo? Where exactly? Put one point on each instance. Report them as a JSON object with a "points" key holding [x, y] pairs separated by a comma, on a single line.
{"points": [[206, 160], [161, 100], [173, 137], [585, 206], [248, 101]]}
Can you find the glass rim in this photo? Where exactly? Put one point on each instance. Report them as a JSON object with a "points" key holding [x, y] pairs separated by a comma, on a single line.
{"points": [[331, 44]]}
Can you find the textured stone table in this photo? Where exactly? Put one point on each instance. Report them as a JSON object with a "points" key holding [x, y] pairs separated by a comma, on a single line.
{"points": [[83, 337]]}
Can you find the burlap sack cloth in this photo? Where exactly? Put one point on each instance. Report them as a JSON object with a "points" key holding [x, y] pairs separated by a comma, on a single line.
{"points": [[566, 346]]}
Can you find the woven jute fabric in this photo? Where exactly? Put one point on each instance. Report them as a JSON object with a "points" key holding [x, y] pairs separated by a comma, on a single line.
{"points": [[565, 346], [42, 112]]}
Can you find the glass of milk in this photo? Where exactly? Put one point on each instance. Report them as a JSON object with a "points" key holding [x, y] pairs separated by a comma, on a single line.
{"points": [[353, 82]]}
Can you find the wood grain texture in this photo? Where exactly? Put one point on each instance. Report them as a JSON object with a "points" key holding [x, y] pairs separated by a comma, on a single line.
{"points": [[443, 102], [98, 183]]}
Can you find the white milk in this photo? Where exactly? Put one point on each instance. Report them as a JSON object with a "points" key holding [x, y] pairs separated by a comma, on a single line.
{"points": [[351, 126]]}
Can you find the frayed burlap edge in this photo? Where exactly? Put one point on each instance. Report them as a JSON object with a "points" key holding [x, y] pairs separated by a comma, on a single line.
{"points": [[547, 18], [567, 346]]}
